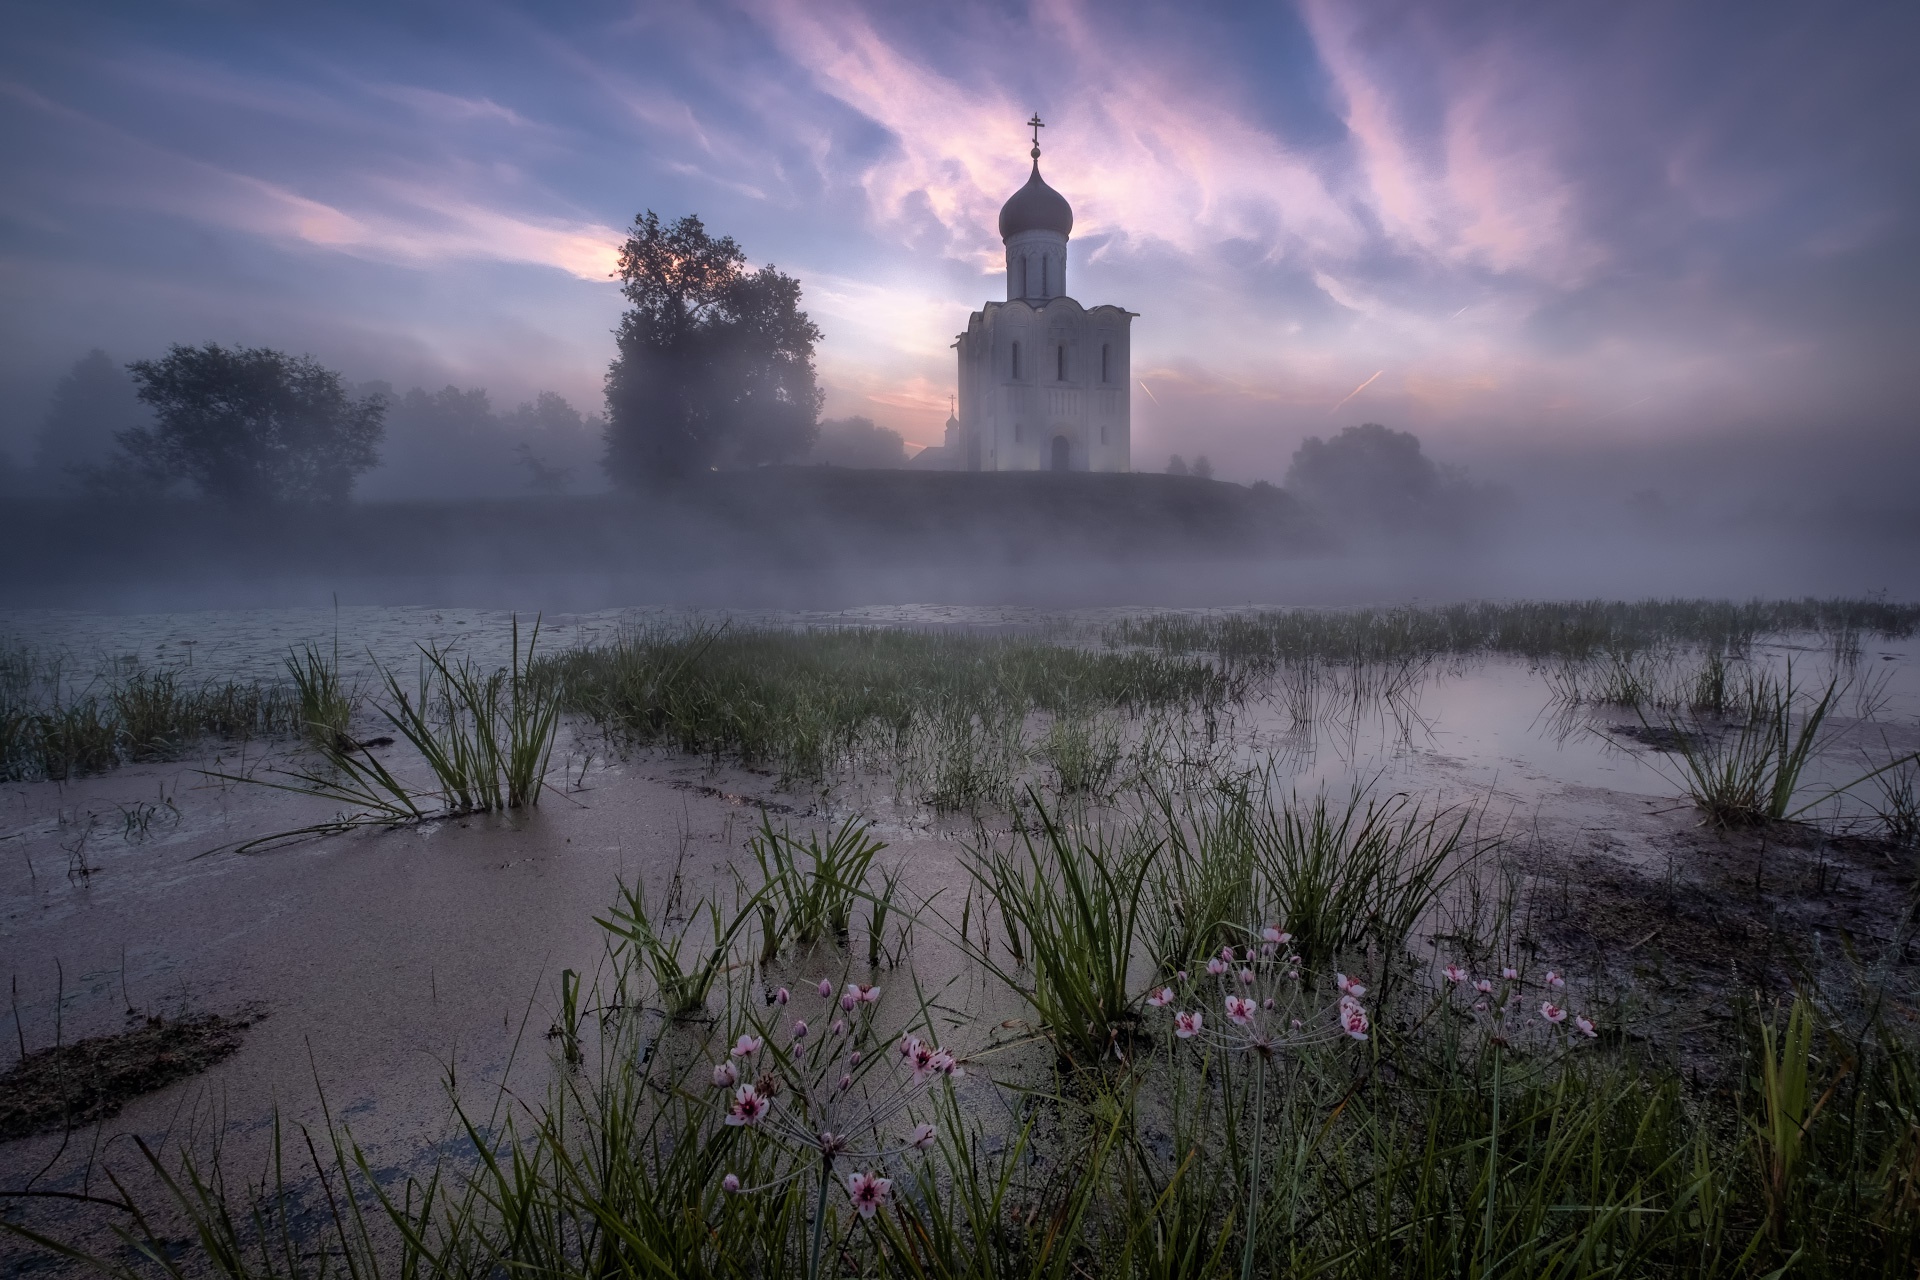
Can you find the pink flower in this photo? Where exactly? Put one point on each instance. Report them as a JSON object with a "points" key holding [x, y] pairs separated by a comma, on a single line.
{"points": [[1251, 955], [1267, 1004], [1277, 936], [909, 1045], [1216, 966], [748, 1108], [1555, 980], [1226, 953], [1160, 998], [1455, 974], [945, 1063], [730, 1184], [746, 1046], [781, 996], [861, 993], [1296, 1024], [1552, 1012], [839, 1027], [799, 1028], [1484, 987], [826, 989], [725, 1077], [1186, 1025], [923, 1137], [868, 1192], [1586, 1026], [847, 1002], [1479, 1006], [1293, 974], [846, 1082], [1509, 973], [921, 1059], [1181, 975], [1246, 977], [1348, 987], [1239, 1012], [1353, 1021], [853, 1059]]}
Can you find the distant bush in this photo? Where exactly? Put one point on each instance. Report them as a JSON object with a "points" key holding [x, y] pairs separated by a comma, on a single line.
{"points": [[857, 442]]}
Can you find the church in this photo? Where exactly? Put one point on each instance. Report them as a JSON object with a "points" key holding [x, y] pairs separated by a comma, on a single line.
{"points": [[1043, 383]]}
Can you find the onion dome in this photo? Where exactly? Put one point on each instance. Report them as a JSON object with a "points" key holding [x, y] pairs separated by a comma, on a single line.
{"points": [[1036, 207]]}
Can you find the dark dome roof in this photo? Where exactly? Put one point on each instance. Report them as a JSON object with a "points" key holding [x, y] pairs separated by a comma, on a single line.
{"points": [[1035, 207]]}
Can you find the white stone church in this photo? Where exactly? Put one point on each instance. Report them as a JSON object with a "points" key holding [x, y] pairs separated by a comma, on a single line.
{"points": [[1042, 379]]}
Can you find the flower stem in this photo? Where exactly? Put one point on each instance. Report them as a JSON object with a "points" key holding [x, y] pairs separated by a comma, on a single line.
{"points": [[1493, 1171], [820, 1219], [1253, 1174]]}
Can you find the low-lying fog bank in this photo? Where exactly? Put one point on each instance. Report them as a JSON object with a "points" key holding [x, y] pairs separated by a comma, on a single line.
{"points": [[832, 538]]}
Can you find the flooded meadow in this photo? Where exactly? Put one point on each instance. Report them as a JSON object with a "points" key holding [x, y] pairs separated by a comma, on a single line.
{"points": [[1521, 938]]}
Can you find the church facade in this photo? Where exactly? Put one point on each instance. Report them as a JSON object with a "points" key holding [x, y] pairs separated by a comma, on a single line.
{"points": [[1043, 380]]}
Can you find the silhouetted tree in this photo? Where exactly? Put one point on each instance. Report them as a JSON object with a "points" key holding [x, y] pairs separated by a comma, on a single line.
{"points": [[858, 442], [250, 424], [1177, 466], [716, 362], [1365, 468], [1202, 467], [91, 405]]}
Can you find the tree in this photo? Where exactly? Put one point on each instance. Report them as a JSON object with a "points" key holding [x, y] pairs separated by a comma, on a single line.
{"points": [[249, 424], [858, 442], [715, 363], [1177, 466], [1203, 468], [91, 405]]}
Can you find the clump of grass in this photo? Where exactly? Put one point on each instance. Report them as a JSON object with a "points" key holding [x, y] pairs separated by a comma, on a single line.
{"points": [[1204, 888], [1072, 902], [487, 736], [1751, 773], [56, 727], [1085, 754], [326, 704], [683, 967], [806, 702], [1345, 876], [809, 888], [1539, 630]]}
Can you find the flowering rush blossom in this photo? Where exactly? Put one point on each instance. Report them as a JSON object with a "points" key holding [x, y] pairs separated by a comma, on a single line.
{"points": [[1503, 1015], [812, 1097], [1266, 1010]]}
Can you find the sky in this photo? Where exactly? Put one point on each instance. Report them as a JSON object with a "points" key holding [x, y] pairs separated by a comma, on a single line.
{"points": [[1591, 233]]}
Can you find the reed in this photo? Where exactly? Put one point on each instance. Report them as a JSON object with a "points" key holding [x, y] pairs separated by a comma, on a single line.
{"points": [[1751, 772]]}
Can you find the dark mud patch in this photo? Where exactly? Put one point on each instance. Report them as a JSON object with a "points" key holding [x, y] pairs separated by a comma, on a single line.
{"points": [[67, 1086], [1660, 737]]}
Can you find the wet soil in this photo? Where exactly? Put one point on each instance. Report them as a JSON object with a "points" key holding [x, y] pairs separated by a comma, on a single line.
{"points": [[66, 1086]]}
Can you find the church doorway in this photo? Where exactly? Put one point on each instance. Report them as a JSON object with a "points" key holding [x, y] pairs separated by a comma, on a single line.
{"points": [[1062, 452]]}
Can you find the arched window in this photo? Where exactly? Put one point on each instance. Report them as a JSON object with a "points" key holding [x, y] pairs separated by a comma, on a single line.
{"points": [[1060, 363], [1106, 363], [1043, 277], [1019, 433], [1023, 281], [1103, 433], [1016, 360]]}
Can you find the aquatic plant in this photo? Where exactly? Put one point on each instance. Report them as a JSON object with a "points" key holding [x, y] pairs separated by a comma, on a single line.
{"points": [[1751, 772], [684, 985], [809, 888], [326, 705], [1073, 904]]}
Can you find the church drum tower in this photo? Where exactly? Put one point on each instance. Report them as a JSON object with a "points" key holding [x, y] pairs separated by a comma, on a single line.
{"points": [[1043, 381]]}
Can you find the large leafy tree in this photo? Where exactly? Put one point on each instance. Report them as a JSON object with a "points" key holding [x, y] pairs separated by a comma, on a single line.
{"points": [[250, 425], [715, 363]]}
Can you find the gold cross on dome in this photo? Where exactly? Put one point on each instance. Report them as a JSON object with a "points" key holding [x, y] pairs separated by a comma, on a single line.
{"points": [[1036, 124]]}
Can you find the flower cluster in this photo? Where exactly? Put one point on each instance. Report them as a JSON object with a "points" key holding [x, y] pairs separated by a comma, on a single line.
{"points": [[1267, 1008], [811, 1096], [1492, 1001]]}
